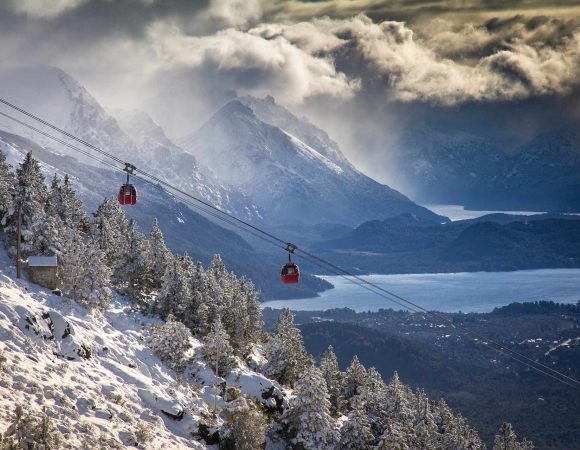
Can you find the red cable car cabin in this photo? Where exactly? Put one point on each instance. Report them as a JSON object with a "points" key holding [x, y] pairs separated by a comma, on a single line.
{"points": [[127, 195], [290, 273]]}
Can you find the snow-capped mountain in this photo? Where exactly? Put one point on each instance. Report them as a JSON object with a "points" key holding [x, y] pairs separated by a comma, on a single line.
{"points": [[281, 171], [58, 98]]}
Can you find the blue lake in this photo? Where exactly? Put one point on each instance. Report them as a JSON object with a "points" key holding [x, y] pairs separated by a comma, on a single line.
{"points": [[449, 292]]}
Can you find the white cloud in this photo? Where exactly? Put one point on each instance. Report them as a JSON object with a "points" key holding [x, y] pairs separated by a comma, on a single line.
{"points": [[252, 63]]}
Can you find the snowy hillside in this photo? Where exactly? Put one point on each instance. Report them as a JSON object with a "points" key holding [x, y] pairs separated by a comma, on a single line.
{"points": [[68, 105], [289, 179], [95, 376]]}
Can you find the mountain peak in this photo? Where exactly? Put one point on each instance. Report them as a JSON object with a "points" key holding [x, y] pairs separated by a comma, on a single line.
{"points": [[272, 113]]}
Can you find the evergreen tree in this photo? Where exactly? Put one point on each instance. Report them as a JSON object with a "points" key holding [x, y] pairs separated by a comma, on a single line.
{"points": [[50, 236], [333, 377], [506, 439], [217, 350], [109, 231], [74, 215], [30, 197], [7, 183], [255, 324], [160, 254], [175, 296], [286, 354], [200, 309], [92, 289], [356, 432], [134, 272], [354, 379], [171, 343], [307, 420], [69, 262]]}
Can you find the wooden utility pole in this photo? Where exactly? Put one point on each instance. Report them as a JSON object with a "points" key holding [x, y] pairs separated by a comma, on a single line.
{"points": [[19, 236], [217, 384]]}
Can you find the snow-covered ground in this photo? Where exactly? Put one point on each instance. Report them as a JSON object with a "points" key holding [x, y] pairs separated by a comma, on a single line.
{"points": [[95, 376]]}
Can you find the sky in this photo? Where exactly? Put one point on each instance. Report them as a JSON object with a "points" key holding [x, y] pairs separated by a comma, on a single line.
{"points": [[367, 71]]}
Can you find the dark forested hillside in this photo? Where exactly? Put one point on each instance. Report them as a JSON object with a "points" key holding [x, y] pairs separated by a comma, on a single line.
{"points": [[492, 243], [482, 384]]}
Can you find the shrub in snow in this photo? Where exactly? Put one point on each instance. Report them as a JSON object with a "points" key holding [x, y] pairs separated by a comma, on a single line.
{"points": [[286, 354], [32, 432], [307, 420], [244, 427], [171, 342]]}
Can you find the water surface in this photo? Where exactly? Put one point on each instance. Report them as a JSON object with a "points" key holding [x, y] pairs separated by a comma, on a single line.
{"points": [[449, 292]]}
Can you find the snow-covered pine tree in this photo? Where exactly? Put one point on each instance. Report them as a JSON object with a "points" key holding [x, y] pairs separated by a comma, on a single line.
{"points": [[74, 214], [50, 236], [356, 433], [235, 316], [354, 379], [425, 429], [218, 284], [217, 350], [171, 342], [175, 296], [55, 204], [244, 427], [373, 395], [69, 261], [255, 324], [160, 254], [394, 438], [506, 439], [7, 184], [307, 421], [109, 230], [134, 270], [333, 377], [93, 285], [454, 432], [199, 315], [287, 357], [30, 196]]}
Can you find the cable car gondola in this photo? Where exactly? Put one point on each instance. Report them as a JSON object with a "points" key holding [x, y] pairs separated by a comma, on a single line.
{"points": [[290, 273], [128, 193]]}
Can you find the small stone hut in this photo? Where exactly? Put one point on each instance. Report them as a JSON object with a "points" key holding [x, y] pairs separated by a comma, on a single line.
{"points": [[42, 271]]}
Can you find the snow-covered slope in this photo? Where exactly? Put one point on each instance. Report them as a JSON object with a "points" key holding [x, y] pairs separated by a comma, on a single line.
{"points": [[95, 376], [289, 178], [58, 98]]}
